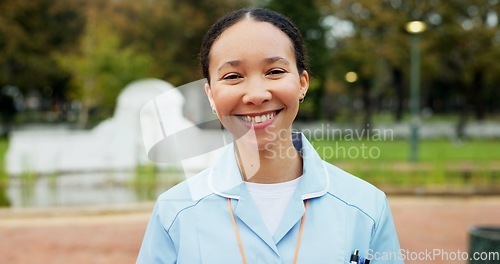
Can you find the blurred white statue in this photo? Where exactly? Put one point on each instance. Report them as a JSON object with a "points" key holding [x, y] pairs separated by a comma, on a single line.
{"points": [[118, 143]]}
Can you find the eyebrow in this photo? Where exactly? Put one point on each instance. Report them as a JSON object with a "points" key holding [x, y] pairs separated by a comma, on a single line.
{"points": [[277, 59], [233, 63], [271, 60]]}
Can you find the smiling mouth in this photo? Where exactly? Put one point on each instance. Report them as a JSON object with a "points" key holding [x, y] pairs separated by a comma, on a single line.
{"points": [[259, 118]]}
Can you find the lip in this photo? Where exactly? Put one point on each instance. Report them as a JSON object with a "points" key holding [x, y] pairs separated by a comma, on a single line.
{"points": [[259, 125]]}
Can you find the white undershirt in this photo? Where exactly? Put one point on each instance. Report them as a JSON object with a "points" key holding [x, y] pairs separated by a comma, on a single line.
{"points": [[272, 200]]}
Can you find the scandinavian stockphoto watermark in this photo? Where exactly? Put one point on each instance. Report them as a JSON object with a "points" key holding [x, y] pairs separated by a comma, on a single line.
{"points": [[347, 143], [326, 131], [436, 254]]}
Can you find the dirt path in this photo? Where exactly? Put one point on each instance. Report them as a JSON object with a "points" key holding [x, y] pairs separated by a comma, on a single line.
{"points": [[113, 235], [441, 225]]}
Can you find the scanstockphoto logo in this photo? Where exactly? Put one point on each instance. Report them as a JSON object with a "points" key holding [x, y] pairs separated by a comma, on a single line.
{"points": [[435, 254]]}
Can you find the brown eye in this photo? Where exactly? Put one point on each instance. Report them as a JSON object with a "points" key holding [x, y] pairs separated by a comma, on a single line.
{"points": [[231, 76], [275, 72]]}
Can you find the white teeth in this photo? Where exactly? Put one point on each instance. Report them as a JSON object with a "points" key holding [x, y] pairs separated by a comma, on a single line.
{"points": [[258, 119]]}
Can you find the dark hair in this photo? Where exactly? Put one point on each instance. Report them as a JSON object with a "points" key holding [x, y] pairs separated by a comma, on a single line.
{"points": [[257, 14]]}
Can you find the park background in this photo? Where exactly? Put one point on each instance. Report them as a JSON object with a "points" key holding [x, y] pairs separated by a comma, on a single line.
{"points": [[63, 64]]}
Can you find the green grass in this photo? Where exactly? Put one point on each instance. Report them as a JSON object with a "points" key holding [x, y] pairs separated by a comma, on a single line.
{"points": [[398, 151], [474, 164], [442, 162], [4, 201], [149, 181], [3, 151]]}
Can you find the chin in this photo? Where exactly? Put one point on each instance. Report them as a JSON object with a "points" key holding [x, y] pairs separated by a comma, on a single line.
{"points": [[252, 143], [260, 143]]}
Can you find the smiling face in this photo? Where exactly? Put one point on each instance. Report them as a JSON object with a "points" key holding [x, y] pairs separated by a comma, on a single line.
{"points": [[255, 86]]}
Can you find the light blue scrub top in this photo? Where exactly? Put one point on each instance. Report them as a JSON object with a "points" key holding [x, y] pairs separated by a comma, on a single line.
{"points": [[191, 222]]}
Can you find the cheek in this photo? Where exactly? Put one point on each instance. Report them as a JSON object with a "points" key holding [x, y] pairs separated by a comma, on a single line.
{"points": [[288, 93], [225, 100]]}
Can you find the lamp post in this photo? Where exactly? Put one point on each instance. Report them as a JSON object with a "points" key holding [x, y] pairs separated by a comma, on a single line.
{"points": [[415, 28]]}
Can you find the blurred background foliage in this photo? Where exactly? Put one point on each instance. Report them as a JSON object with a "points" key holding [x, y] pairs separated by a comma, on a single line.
{"points": [[70, 59]]}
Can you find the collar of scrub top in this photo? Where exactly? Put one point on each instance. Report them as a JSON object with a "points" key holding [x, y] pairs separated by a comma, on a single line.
{"points": [[225, 180]]}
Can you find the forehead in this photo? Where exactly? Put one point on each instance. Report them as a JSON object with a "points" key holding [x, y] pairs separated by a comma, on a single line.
{"points": [[251, 39]]}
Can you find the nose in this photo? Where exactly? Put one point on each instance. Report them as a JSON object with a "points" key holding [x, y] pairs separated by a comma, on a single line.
{"points": [[256, 93]]}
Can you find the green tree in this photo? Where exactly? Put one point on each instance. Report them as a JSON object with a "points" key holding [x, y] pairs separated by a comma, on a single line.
{"points": [[170, 31], [29, 32], [459, 50], [467, 43], [374, 50], [307, 16], [101, 67]]}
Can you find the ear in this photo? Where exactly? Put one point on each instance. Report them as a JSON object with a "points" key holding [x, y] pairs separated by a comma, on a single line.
{"points": [[208, 91], [304, 84]]}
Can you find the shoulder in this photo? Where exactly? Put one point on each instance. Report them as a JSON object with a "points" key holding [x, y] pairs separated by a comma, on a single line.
{"points": [[356, 193], [181, 197]]}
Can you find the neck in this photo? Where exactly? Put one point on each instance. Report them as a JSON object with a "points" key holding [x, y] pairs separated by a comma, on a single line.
{"points": [[280, 163]]}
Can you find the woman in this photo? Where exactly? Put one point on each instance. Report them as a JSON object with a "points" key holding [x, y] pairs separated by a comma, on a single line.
{"points": [[269, 198]]}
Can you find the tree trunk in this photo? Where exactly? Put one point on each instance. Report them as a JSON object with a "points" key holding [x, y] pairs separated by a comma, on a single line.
{"points": [[397, 80], [462, 120], [477, 94], [367, 106], [318, 98], [83, 116]]}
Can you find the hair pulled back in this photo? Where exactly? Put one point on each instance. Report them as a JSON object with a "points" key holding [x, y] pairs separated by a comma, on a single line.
{"points": [[257, 14]]}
